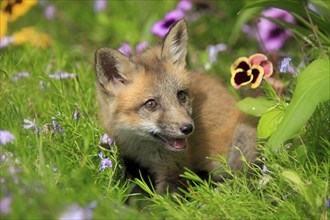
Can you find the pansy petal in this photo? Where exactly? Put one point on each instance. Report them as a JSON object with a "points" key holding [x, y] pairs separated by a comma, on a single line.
{"points": [[240, 78], [257, 74], [15, 9], [242, 63], [268, 68], [257, 58]]}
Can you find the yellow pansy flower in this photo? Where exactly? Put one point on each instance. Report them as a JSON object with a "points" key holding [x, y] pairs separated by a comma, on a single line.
{"points": [[16, 8], [3, 24], [30, 35], [250, 70]]}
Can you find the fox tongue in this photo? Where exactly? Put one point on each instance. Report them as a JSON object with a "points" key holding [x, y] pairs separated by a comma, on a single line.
{"points": [[177, 143]]}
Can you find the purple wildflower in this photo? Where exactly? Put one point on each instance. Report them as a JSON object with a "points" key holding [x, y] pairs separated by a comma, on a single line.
{"points": [[160, 28], [140, 47], [5, 204], [31, 124], [106, 140], [6, 156], [6, 137], [75, 212], [271, 35], [100, 5], [185, 5], [50, 12], [20, 75], [6, 41], [264, 168], [312, 7], [285, 66], [125, 49], [327, 202], [63, 75], [57, 127], [249, 30], [213, 51], [105, 162], [76, 115]]}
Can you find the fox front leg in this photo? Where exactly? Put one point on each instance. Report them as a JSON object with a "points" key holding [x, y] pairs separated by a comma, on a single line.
{"points": [[169, 184]]}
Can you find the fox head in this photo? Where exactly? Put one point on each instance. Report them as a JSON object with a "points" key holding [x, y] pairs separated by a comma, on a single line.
{"points": [[146, 97]]}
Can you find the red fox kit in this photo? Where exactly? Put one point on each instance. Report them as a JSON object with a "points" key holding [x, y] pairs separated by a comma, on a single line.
{"points": [[165, 118]]}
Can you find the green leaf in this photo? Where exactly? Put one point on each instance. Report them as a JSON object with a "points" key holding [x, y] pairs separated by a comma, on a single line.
{"points": [[255, 106], [307, 192], [301, 31], [243, 18], [313, 87], [290, 6], [269, 122], [294, 178]]}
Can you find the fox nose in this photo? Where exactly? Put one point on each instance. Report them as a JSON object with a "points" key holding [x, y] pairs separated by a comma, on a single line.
{"points": [[186, 129]]}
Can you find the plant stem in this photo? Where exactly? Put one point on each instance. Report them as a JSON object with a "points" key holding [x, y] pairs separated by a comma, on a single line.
{"points": [[313, 29]]}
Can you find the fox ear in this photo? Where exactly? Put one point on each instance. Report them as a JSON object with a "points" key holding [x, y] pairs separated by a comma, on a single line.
{"points": [[109, 66], [175, 44]]}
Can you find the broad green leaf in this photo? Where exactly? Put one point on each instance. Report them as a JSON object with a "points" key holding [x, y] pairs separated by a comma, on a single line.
{"points": [[313, 87], [269, 122], [255, 106]]}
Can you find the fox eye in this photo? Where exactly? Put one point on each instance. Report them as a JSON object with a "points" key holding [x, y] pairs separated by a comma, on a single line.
{"points": [[182, 96], [151, 104]]}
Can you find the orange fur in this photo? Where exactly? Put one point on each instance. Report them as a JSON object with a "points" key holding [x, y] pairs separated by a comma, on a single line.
{"points": [[150, 103]]}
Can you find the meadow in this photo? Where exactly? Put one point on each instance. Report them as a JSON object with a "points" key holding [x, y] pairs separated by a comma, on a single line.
{"points": [[56, 161]]}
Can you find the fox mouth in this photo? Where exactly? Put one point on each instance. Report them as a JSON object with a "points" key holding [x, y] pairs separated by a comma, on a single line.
{"points": [[172, 143]]}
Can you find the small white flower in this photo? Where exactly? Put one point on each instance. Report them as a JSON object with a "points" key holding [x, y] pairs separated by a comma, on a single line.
{"points": [[63, 75]]}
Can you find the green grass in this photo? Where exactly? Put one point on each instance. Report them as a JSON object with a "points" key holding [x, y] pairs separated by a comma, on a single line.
{"points": [[49, 172]]}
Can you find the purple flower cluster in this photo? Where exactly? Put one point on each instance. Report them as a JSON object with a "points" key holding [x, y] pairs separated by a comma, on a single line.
{"points": [[6, 41], [100, 5], [126, 49], [50, 12], [6, 137], [160, 28], [53, 128], [272, 36], [20, 75], [77, 212], [327, 202], [213, 50], [56, 126], [5, 205], [76, 115], [31, 124], [285, 66], [106, 140], [105, 162]]}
